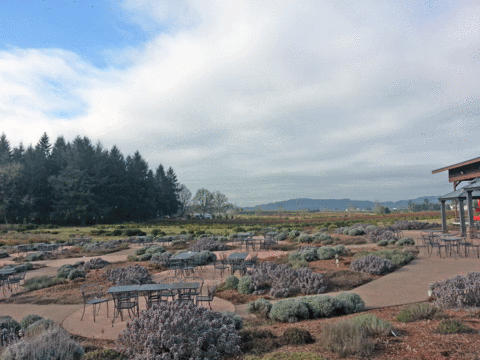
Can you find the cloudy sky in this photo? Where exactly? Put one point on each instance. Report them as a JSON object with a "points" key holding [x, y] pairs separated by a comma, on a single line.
{"points": [[261, 100]]}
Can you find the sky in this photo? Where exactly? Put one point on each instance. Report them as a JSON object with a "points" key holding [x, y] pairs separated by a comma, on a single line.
{"points": [[263, 101]]}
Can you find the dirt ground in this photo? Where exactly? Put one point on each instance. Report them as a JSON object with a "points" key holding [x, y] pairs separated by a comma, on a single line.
{"points": [[416, 340]]}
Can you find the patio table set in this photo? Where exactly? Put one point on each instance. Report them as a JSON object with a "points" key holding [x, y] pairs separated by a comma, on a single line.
{"points": [[235, 262], [451, 243], [9, 279], [248, 240], [126, 297]]}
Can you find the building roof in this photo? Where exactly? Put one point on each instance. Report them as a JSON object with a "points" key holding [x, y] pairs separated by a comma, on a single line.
{"points": [[473, 185], [460, 194], [467, 162]]}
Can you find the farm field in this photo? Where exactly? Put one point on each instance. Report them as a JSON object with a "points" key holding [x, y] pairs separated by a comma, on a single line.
{"points": [[312, 294]]}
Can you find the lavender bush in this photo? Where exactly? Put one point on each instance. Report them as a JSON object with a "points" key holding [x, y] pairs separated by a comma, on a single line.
{"points": [[129, 275], [373, 265], [172, 332], [208, 244], [413, 225], [380, 234], [95, 263], [160, 259], [458, 291]]}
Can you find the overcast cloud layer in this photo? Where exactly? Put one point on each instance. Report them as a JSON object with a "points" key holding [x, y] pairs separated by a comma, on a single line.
{"points": [[268, 101]]}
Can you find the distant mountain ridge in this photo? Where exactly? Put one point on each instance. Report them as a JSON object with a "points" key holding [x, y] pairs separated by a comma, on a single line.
{"points": [[337, 204]]}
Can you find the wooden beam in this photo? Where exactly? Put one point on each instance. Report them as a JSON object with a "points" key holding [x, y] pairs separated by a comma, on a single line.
{"points": [[465, 177]]}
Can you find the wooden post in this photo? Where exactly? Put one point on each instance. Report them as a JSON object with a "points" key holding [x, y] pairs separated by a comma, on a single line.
{"points": [[462, 218], [444, 218], [470, 213]]}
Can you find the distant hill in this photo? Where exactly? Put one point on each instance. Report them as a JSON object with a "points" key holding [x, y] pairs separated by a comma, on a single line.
{"points": [[337, 204]]}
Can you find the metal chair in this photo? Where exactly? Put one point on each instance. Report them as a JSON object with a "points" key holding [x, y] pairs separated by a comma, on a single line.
{"points": [[252, 262], [170, 280], [220, 265], [14, 280], [156, 297], [240, 266], [208, 298], [125, 301], [184, 295], [93, 295], [175, 265], [438, 246]]}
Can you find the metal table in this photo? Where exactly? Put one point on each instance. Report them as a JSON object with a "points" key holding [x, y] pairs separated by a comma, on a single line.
{"points": [[452, 241], [237, 256], [185, 255], [120, 289]]}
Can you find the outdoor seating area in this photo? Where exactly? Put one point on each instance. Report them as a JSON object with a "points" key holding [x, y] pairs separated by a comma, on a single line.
{"points": [[9, 280], [168, 289], [452, 244]]}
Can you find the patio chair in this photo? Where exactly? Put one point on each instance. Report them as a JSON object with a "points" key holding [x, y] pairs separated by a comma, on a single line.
{"points": [[125, 301], [185, 295], [436, 245], [240, 266], [93, 295], [170, 280], [198, 291], [14, 280], [209, 297], [252, 262], [470, 245], [156, 297], [220, 265], [175, 265]]}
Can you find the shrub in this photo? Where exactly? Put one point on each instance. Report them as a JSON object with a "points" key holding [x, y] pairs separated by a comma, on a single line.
{"points": [[38, 327], [309, 254], [166, 331], [379, 234], [390, 242], [294, 233], [453, 327], [382, 243], [231, 282], [290, 310], [351, 302], [244, 285], [205, 257], [321, 306], [129, 275], [283, 281], [36, 256], [103, 245], [296, 336], [3, 254], [305, 238], [40, 282], [346, 339], [51, 344], [141, 251], [417, 312], [104, 354], [236, 319], [144, 257], [208, 243], [132, 258], [95, 263], [64, 271], [373, 265], [8, 323], [117, 232], [261, 307], [458, 291], [325, 253], [356, 232], [372, 325], [161, 259], [258, 341], [405, 241], [413, 225], [29, 320], [134, 232], [76, 273]]}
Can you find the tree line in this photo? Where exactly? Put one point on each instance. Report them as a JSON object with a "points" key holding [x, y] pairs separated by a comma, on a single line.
{"points": [[81, 183]]}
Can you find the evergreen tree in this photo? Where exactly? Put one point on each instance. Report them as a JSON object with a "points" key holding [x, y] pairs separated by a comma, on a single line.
{"points": [[5, 150]]}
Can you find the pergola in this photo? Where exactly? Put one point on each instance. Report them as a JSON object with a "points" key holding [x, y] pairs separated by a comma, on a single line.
{"points": [[468, 193]]}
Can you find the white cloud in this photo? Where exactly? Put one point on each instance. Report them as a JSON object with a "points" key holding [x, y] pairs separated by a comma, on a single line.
{"points": [[241, 95]]}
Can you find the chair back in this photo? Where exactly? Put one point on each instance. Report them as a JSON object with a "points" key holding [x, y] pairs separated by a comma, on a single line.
{"points": [[92, 291], [212, 291], [195, 279], [170, 279]]}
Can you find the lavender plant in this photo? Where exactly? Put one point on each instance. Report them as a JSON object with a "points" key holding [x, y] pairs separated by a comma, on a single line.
{"points": [[95, 263], [170, 332], [459, 291], [209, 244], [373, 265], [129, 275], [161, 260]]}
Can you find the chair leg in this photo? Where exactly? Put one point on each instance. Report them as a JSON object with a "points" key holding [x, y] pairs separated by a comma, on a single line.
{"points": [[83, 312]]}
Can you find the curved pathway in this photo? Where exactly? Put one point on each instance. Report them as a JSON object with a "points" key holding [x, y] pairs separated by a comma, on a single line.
{"points": [[406, 285]]}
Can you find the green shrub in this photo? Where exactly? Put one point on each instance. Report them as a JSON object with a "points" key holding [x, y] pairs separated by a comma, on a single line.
{"points": [[38, 327], [346, 339], [351, 302], [289, 310], [36, 256], [321, 306], [405, 241], [391, 242], [134, 232], [3, 254], [296, 336], [244, 285], [76, 273], [141, 251], [7, 322], [417, 312], [382, 243], [132, 258], [453, 327], [40, 282], [117, 232], [372, 325], [325, 253], [104, 354], [231, 282], [258, 341], [261, 307], [236, 319], [145, 257], [29, 320]]}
